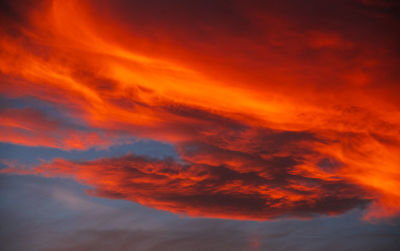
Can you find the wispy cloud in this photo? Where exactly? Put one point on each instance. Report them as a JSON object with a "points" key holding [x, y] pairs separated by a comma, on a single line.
{"points": [[274, 110]]}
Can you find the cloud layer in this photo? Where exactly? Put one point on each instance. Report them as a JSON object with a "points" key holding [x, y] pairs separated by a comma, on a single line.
{"points": [[275, 109]]}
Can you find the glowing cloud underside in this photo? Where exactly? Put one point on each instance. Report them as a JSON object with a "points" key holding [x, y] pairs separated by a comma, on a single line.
{"points": [[274, 112]]}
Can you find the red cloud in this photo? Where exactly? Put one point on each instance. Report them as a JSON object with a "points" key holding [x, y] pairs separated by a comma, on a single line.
{"points": [[31, 127], [299, 111], [211, 190]]}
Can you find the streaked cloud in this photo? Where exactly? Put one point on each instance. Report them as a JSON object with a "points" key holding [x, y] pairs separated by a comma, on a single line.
{"points": [[274, 110]]}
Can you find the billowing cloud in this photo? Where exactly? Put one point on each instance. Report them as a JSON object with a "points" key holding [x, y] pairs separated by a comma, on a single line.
{"points": [[275, 109]]}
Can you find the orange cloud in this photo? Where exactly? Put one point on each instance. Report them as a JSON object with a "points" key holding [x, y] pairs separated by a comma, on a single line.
{"points": [[223, 191], [33, 128], [302, 103]]}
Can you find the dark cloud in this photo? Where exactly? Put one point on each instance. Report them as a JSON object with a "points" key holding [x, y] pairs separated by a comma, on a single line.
{"points": [[50, 223], [218, 180]]}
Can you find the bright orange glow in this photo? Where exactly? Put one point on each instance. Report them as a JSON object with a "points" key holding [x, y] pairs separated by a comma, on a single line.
{"points": [[309, 114]]}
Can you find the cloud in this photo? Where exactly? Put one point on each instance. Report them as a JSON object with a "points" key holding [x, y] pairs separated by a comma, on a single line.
{"points": [[255, 98], [220, 181], [49, 224], [32, 127]]}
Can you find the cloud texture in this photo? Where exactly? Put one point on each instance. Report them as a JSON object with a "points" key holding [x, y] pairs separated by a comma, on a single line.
{"points": [[275, 109]]}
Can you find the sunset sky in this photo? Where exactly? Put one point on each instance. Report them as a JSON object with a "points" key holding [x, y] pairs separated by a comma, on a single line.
{"points": [[199, 125]]}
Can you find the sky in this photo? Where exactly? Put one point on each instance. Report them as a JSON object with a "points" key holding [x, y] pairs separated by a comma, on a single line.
{"points": [[199, 125]]}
